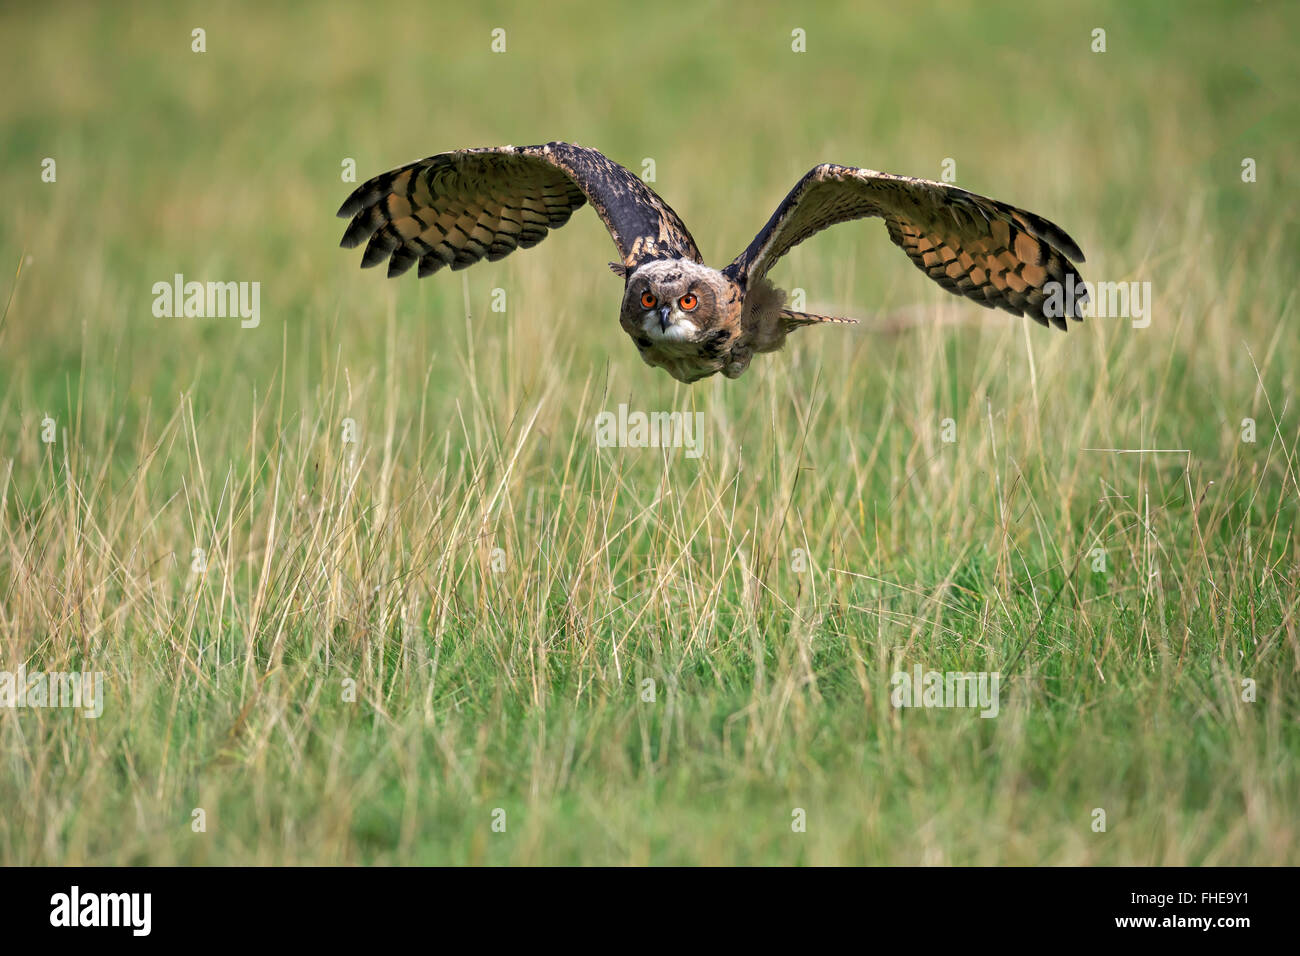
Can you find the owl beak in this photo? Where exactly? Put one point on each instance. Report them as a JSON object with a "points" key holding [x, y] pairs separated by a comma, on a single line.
{"points": [[663, 317]]}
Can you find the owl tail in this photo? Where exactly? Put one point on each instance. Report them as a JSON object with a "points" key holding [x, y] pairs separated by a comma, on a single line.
{"points": [[793, 320]]}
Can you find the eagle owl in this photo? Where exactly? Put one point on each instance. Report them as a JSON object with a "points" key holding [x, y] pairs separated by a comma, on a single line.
{"points": [[456, 208]]}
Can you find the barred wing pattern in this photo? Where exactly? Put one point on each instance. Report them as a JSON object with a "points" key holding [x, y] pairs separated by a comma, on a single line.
{"points": [[457, 208], [998, 255]]}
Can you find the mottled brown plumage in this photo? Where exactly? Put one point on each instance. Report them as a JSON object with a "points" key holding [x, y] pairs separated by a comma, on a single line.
{"points": [[457, 208], [986, 250]]}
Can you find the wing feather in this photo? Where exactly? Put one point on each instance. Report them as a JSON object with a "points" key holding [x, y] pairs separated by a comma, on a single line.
{"points": [[455, 209], [996, 254]]}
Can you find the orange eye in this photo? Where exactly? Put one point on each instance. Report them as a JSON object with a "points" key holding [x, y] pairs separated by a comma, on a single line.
{"points": [[688, 302], [648, 301]]}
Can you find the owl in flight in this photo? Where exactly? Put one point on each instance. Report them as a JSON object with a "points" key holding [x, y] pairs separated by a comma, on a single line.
{"points": [[456, 208]]}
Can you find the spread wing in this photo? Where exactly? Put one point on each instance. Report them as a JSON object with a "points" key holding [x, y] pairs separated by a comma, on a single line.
{"points": [[986, 250], [456, 208]]}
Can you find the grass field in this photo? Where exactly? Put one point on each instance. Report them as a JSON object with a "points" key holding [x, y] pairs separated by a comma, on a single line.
{"points": [[500, 591]]}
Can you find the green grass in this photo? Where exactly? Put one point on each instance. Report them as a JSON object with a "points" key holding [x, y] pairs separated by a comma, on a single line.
{"points": [[522, 689]]}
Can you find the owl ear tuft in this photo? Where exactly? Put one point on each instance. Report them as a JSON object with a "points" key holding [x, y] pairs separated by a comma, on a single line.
{"points": [[618, 269]]}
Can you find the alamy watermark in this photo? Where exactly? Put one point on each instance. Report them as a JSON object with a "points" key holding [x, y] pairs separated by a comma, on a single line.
{"points": [[83, 690], [651, 430], [946, 689], [208, 300], [129, 910], [1104, 300]]}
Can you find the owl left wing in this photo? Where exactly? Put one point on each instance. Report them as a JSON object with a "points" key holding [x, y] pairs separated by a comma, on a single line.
{"points": [[994, 253], [457, 208]]}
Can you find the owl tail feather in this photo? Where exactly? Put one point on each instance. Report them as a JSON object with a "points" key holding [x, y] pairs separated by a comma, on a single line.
{"points": [[793, 320]]}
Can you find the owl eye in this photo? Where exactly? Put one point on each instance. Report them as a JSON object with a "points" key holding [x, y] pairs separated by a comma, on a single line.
{"points": [[688, 302], [648, 301]]}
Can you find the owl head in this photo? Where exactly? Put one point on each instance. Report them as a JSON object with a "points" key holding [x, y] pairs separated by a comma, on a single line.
{"points": [[677, 301]]}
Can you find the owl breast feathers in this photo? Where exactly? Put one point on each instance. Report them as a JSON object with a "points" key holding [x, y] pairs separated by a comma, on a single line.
{"points": [[693, 321]]}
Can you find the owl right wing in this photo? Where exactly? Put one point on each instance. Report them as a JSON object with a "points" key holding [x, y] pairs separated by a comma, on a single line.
{"points": [[997, 254], [457, 208]]}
